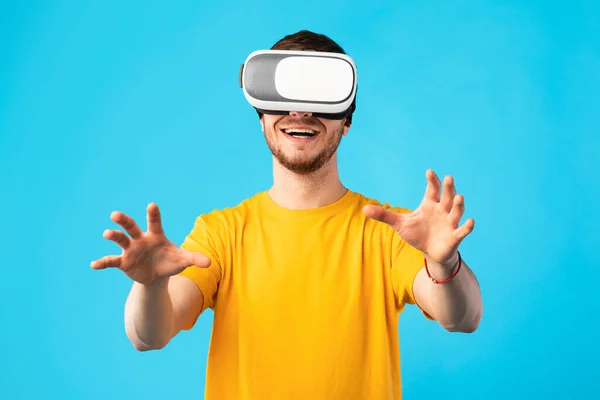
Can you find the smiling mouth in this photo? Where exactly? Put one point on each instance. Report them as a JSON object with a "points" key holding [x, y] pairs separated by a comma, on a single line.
{"points": [[300, 133]]}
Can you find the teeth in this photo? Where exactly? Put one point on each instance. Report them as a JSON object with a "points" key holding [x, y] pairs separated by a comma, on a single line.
{"points": [[300, 131]]}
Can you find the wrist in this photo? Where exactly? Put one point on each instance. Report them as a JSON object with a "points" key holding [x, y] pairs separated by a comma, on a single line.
{"points": [[158, 283], [440, 272]]}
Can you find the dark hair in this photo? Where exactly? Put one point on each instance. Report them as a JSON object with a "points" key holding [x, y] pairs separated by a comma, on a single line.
{"points": [[309, 41]]}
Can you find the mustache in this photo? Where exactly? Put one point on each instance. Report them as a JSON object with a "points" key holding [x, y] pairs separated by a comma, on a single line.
{"points": [[311, 122]]}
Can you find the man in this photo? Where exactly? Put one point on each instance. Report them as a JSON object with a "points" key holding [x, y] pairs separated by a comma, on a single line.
{"points": [[306, 280]]}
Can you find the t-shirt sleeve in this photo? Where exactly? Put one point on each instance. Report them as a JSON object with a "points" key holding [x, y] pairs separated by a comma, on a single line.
{"points": [[202, 241], [407, 261]]}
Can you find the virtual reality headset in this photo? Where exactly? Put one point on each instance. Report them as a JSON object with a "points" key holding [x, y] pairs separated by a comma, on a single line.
{"points": [[281, 81]]}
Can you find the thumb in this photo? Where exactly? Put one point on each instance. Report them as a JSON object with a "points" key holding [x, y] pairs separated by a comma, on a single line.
{"points": [[197, 259], [382, 215]]}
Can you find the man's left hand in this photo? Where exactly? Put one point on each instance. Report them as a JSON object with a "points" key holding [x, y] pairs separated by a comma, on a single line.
{"points": [[433, 227]]}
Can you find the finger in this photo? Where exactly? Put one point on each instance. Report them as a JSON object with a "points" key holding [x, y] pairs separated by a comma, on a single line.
{"points": [[154, 220], [106, 262], [187, 258], [118, 237], [197, 259], [127, 223], [458, 209], [433, 186], [448, 194], [462, 231], [382, 215]]}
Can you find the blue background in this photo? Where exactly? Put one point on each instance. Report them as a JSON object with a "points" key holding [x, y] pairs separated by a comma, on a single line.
{"points": [[110, 105]]}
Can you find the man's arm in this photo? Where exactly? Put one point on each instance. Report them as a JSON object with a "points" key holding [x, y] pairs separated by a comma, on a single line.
{"points": [[171, 283], [457, 304], [155, 313], [434, 229]]}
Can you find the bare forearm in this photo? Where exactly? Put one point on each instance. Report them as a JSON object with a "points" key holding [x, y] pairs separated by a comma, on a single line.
{"points": [[457, 304], [149, 315]]}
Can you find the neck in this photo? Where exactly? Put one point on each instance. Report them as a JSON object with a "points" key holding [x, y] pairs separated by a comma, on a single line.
{"points": [[298, 192]]}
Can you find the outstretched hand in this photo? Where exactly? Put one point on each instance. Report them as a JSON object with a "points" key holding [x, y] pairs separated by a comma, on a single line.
{"points": [[433, 227], [146, 256]]}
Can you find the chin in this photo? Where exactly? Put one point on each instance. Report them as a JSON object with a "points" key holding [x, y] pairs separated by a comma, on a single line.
{"points": [[303, 165]]}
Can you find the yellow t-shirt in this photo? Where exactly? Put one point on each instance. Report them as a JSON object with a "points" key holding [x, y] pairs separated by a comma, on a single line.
{"points": [[306, 302]]}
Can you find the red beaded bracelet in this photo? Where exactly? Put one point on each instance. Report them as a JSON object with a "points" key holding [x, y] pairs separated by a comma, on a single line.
{"points": [[449, 278]]}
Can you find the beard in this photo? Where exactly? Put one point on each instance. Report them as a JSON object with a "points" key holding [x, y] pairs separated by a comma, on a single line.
{"points": [[300, 162]]}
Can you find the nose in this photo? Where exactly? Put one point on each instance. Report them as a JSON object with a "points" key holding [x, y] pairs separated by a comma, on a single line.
{"points": [[300, 114]]}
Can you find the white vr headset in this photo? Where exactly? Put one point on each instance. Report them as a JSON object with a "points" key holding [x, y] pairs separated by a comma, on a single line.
{"points": [[280, 81]]}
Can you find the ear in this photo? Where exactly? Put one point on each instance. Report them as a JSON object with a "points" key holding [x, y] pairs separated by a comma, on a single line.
{"points": [[262, 123], [348, 120], [347, 123]]}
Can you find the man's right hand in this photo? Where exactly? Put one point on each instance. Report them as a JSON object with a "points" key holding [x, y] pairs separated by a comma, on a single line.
{"points": [[147, 256]]}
